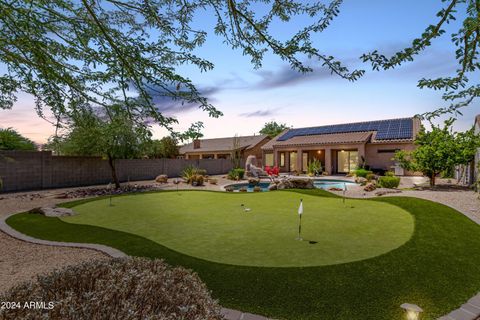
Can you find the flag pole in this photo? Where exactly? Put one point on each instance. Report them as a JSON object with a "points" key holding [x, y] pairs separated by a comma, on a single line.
{"points": [[300, 212]]}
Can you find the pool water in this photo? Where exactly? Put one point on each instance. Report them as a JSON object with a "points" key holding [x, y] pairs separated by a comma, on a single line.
{"points": [[324, 184]]}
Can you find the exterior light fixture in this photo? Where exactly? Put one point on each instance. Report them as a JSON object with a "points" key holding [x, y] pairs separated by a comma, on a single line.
{"points": [[343, 151], [319, 151], [412, 310]]}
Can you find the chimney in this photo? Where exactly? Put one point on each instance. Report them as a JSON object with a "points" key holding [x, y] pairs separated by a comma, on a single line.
{"points": [[196, 144]]}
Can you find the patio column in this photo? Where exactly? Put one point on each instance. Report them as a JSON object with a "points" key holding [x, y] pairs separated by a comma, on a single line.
{"points": [[299, 160], [276, 158], [215, 156], [328, 160], [361, 153]]}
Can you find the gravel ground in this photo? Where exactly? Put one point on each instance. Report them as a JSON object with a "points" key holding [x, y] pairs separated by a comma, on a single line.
{"points": [[22, 261]]}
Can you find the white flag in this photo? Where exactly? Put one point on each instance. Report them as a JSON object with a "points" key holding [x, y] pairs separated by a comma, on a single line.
{"points": [[300, 209]]}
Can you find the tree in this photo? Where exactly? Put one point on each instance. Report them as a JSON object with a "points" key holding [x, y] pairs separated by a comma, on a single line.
{"points": [[456, 88], [167, 147], [272, 128], [10, 139], [76, 54], [439, 150], [113, 136], [194, 132]]}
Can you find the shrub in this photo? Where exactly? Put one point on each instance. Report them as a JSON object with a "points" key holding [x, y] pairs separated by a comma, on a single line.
{"points": [[362, 173], [388, 182], [128, 288], [197, 180], [236, 174], [370, 176], [314, 167], [188, 173], [389, 174], [202, 172]]}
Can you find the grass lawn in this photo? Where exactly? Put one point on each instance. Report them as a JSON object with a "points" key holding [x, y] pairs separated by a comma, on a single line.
{"points": [[436, 267], [214, 226]]}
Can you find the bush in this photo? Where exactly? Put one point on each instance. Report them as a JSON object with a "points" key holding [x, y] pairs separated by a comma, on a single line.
{"points": [[370, 176], [389, 174], [202, 172], [236, 174], [128, 288], [362, 173], [388, 182], [197, 180]]}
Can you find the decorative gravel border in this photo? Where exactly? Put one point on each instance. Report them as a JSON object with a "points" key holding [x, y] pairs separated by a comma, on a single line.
{"points": [[112, 252]]}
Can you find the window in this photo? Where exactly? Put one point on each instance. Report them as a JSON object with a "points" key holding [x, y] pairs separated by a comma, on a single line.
{"points": [[208, 156], [282, 159], [293, 161], [269, 159]]}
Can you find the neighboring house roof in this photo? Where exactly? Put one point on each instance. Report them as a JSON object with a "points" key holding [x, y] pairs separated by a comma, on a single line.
{"points": [[379, 131], [222, 144]]}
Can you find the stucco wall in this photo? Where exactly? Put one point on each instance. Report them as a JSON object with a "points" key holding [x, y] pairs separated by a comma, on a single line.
{"points": [[378, 160]]}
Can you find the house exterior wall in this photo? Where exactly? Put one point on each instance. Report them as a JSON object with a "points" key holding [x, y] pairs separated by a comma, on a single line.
{"points": [[376, 159], [257, 152], [328, 155]]}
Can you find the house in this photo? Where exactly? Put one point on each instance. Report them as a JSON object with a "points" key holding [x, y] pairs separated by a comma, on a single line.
{"points": [[342, 147], [224, 148]]}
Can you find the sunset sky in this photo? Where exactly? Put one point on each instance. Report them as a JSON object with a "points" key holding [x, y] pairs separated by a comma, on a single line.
{"points": [[249, 98]]}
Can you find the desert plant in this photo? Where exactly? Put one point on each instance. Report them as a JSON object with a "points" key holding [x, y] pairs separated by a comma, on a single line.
{"points": [[128, 288], [360, 172], [370, 176], [389, 182], [314, 167], [236, 174], [197, 180], [189, 172]]}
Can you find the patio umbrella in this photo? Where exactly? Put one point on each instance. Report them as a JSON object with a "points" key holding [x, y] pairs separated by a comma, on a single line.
{"points": [[300, 212]]}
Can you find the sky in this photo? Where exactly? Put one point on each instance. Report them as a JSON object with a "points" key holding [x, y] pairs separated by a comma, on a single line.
{"points": [[250, 97]]}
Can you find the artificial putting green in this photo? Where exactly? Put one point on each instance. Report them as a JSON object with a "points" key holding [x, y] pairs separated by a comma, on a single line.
{"points": [[437, 269], [216, 227]]}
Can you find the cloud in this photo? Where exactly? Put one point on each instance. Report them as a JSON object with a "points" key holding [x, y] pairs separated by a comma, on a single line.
{"points": [[259, 113], [286, 76], [169, 106]]}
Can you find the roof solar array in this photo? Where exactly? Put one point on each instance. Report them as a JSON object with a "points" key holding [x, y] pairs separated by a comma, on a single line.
{"points": [[393, 129]]}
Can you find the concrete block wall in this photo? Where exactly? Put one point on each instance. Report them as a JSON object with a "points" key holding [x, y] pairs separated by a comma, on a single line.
{"points": [[25, 170]]}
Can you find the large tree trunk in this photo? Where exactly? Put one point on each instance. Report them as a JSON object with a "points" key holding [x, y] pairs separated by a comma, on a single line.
{"points": [[432, 180], [111, 163]]}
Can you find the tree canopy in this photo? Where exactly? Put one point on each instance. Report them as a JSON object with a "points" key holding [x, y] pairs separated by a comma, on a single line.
{"points": [[10, 139], [72, 55], [273, 128], [439, 150]]}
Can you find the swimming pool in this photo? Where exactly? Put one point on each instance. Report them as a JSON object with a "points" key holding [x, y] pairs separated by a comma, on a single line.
{"points": [[324, 184]]}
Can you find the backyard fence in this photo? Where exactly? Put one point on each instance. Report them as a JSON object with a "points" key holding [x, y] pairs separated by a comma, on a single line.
{"points": [[31, 170]]}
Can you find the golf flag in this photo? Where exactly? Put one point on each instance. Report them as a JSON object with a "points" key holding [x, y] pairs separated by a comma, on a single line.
{"points": [[300, 209]]}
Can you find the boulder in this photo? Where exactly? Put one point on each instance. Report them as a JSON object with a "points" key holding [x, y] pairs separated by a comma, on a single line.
{"points": [[301, 183], [370, 186], [360, 180], [53, 211], [272, 187], [254, 181], [163, 178]]}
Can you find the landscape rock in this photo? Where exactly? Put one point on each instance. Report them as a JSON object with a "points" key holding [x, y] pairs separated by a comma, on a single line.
{"points": [[272, 187], [163, 178], [293, 183], [360, 180], [384, 192], [253, 181], [53, 211], [370, 187]]}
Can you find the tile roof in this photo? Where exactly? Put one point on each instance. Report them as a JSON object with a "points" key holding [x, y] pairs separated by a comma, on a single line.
{"points": [[223, 144], [379, 131], [321, 139]]}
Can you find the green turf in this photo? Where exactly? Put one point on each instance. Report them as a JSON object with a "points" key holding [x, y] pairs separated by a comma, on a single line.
{"points": [[438, 269], [215, 227]]}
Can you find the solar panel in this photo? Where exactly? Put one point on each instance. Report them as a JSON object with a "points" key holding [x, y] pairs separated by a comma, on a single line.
{"points": [[386, 129]]}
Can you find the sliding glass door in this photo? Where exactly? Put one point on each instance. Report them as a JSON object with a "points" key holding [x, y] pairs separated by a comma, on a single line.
{"points": [[347, 161]]}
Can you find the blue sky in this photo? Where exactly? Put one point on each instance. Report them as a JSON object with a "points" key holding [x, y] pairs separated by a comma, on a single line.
{"points": [[249, 98]]}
